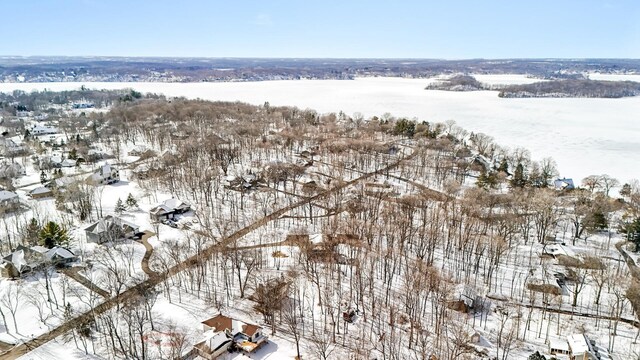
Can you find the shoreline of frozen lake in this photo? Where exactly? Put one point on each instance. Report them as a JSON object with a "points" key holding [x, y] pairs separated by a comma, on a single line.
{"points": [[584, 136]]}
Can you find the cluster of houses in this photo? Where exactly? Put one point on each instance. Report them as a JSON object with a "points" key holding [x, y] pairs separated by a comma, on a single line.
{"points": [[578, 347], [24, 260], [223, 334], [480, 162]]}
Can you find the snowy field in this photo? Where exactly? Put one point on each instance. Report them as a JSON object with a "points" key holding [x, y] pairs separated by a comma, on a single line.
{"points": [[584, 136]]}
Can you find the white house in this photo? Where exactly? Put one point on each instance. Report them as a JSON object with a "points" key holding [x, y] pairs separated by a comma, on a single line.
{"points": [[38, 129], [213, 345], [558, 347], [10, 146], [581, 348], [106, 174]]}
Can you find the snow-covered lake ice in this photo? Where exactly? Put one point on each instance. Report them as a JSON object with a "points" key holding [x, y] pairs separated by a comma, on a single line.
{"points": [[584, 136]]}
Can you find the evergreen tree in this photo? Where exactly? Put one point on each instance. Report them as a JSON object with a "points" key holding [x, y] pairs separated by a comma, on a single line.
{"points": [[43, 177], [73, 154], [625, 190], [483, 179], [131, 202], [596, 221], [32, 231], [53, 234], [536, 356], [492, 179], [504, 166], [405, 127], [120, 206], [518, 180]]}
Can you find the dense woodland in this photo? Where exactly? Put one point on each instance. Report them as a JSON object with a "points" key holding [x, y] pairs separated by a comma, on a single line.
{"points": [[417, 216]]}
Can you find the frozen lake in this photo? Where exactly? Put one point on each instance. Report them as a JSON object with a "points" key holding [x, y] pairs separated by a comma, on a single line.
{"points": [[584, 136]]}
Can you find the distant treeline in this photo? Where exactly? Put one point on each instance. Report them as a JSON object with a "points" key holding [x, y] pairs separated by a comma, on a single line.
{"points": [[123, 69], [573, 88], [458, 83], [19, 100]]}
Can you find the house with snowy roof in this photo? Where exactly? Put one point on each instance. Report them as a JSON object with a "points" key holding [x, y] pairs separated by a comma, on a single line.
{"points": [[57, 255], [11, 146], [8, 198], [106, 174], [40, 192], [221, 332], [58, 160], [21, 261], [582, 348], [24, 260], [60, 183], [169, 209], [559, 347], [111, 228], [563, 184], [39, 129]]}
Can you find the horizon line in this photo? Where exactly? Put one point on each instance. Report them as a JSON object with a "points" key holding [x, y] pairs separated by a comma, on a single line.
{"points": [[315, 58]]}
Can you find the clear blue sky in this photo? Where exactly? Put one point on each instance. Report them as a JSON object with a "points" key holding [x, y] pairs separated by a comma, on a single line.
{"points": [[451, 29]]}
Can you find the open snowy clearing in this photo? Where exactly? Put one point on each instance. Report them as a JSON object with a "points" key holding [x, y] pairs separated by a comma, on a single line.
{"points": [[584, 136]]}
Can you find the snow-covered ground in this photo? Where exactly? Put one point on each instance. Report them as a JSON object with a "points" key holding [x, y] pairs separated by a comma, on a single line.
{"points": [[584, 136]]}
